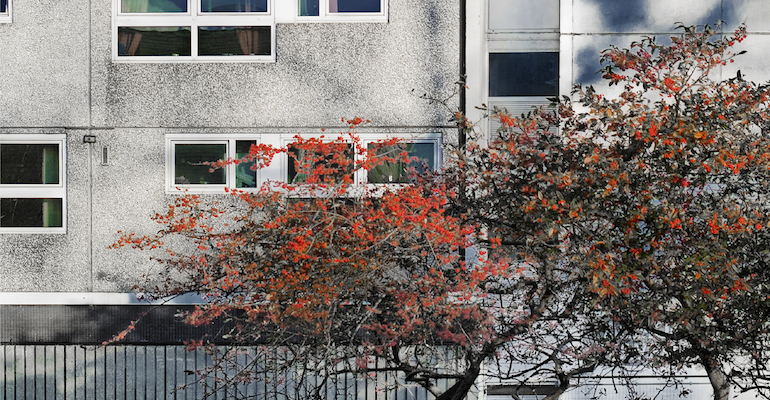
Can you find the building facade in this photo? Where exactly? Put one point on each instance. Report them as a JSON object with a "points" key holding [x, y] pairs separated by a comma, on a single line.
{"points": [[108, 107]]}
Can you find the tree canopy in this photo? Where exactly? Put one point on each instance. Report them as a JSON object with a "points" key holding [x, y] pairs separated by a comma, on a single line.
{"points": [[608, 232]]}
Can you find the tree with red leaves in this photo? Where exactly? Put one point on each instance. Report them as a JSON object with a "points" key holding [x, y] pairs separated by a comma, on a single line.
{"points": [[610, 234], [656, 196]]}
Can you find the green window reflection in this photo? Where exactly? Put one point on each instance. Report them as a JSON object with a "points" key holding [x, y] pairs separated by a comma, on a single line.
{"points": [[302, 162], [29, 164], [398, 172], [245, 177], [308, 8], [31, 213], [191, 164], [153, 6]]}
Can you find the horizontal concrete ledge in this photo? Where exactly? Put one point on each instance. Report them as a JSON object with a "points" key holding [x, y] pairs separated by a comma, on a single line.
{"points": [[89, 298]]}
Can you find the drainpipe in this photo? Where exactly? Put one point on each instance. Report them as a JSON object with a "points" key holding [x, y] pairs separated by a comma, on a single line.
{"points": [[463, 71]]}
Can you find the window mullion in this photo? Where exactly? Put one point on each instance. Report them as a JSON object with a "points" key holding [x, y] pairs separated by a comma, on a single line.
{"points": [[230, 172], [194, 7]]}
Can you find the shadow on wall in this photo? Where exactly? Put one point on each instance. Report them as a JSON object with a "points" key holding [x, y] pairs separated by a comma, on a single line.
{"points": [[653, 16]]}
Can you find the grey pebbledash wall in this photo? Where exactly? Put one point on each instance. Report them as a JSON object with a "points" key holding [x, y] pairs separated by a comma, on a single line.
{"points": [[57, 76]]}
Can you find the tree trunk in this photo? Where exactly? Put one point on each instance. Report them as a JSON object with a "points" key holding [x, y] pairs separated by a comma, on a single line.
{"points": [[717, 377], [460, 389]]}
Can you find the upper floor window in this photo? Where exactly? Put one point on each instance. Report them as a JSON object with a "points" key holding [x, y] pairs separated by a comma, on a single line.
{"points": [[32, 184], [342, 10], [5, 11], [524, 74], [200, 30]]}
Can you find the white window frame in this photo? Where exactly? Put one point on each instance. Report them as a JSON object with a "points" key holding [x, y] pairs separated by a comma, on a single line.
{"points": [[46, 191], [7, 16], [230, 169], [326, 16], [278, 170], [194, 19]]}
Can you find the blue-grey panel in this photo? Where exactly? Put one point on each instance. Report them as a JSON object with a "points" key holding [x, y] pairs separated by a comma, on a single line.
{"points": [[653, 16]]}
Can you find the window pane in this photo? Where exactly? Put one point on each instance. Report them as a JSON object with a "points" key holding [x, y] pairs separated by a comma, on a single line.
{"points": [[398, 172], [3, 6], [154, 41], [522, 15], [234, 5], [29, 164], [308, 8], [245, 177], [523, 74], [234, 40], [31, 213], [341, 6], [302, 162], [153, 6], [190, 164]]}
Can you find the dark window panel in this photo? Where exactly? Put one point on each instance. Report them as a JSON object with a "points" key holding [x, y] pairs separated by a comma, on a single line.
{"points": [[31, 213], [523, 74], [308, 8], [245, 177], [398, 172], [303, 161], [154, 41], [234, 40], [3, 6], [29, 164], [234, 6], [190, 164], [356, 6]]}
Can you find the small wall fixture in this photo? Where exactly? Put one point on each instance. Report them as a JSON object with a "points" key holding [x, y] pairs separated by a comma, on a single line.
{"points": [[89, 139]]}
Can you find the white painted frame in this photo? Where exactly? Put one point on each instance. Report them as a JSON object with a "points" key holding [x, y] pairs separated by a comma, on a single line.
{"points": [[228, 141], [7, 16], [46, 191], [326, 16], [193, 19]]}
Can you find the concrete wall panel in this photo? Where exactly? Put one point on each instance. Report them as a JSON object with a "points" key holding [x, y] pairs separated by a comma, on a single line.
{"points": [[323, 72], [44, 65]]}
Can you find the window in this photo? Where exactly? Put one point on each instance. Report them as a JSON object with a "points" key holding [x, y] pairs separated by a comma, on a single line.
{"points": [[189, 162], [199, 30], [5, 11], [342, 10], [422, 154], [32, 184], [339, 161], [425, 149], [520, 81], [523, 74]]}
